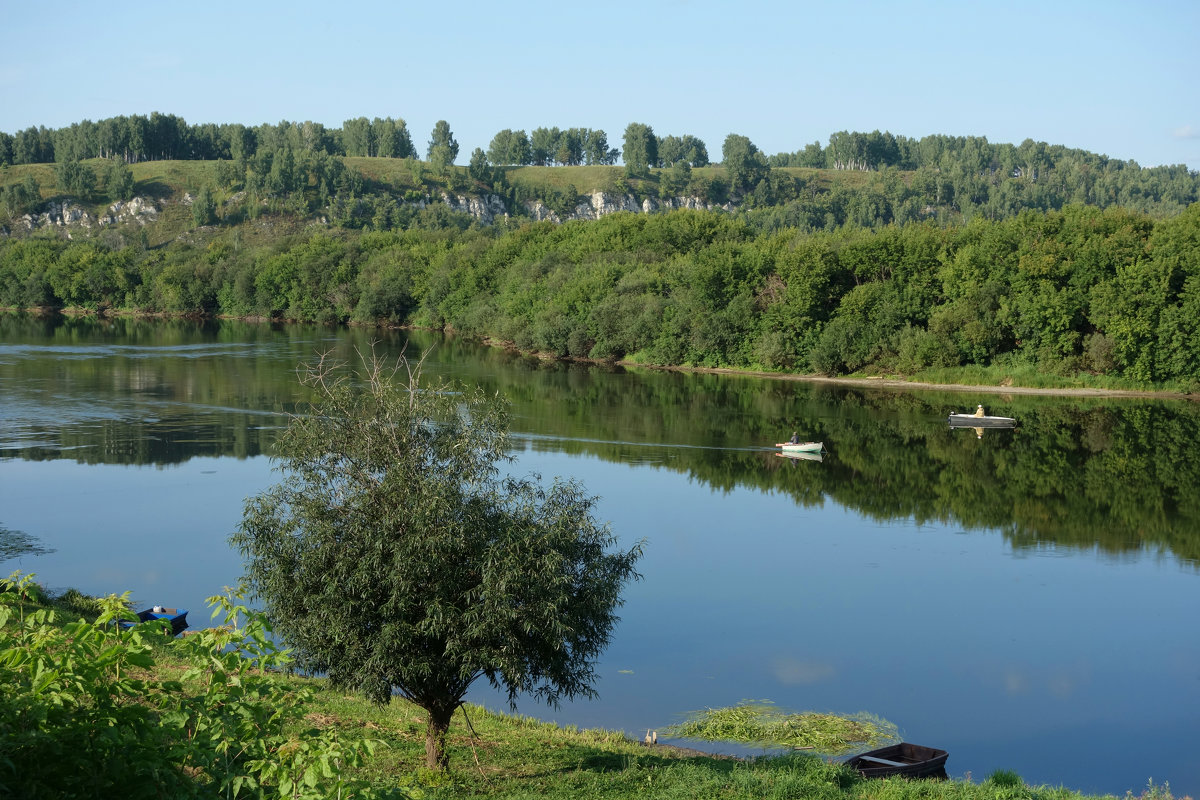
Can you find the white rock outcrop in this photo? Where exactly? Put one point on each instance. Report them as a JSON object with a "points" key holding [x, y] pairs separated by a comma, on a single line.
{"points": [[66, 214], [140, 210], [599, 204], [488, 209]]}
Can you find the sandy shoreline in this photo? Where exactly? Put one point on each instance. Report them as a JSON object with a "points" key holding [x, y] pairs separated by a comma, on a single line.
{"points": [[893, 383]]}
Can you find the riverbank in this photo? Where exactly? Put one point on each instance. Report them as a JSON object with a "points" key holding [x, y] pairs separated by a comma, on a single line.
{"points": [[896, 383], [1006, 385]]}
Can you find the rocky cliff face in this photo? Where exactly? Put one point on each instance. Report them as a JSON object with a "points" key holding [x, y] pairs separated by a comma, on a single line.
{"points": [[488, 209], [69, 216], [599, 204]]}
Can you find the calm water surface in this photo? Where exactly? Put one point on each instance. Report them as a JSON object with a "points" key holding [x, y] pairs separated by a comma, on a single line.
{"points": [[1026, 600]]}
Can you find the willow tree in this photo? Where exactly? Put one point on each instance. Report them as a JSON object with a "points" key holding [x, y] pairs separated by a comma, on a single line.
{"points": [[396, 555]]}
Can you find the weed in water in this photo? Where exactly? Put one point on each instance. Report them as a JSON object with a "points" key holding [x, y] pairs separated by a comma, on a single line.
{"points": [[764, 724]]}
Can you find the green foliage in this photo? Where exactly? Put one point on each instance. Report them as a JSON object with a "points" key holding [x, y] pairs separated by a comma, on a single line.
{"points": [[75, 178], [745, 166], [21, 197], [204, 207], [478, 168], [640, 150], [86, 710], [765, 724], [443, 148], [118, 181], [393, 554], [1068, 292]]}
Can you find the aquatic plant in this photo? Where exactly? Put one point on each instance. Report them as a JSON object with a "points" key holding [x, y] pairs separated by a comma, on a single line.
{"points": [[763, 723]]}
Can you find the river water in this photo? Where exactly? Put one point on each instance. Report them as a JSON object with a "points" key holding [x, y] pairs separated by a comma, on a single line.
{"points": [[1026, 599]]}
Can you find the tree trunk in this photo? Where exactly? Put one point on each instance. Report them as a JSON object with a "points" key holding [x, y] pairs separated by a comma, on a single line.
{"points": [[436, 756]]}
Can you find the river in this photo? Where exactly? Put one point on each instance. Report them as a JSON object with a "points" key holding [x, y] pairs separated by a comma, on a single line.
{"points": [[1025, 599]]}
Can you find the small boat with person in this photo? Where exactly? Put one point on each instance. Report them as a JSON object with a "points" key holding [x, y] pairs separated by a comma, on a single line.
{"points": [[794, 445], [801, 447], [905, 759], [980, 420]]}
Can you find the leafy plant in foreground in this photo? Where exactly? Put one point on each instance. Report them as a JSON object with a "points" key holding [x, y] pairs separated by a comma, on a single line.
{"points": [[86, 710]]}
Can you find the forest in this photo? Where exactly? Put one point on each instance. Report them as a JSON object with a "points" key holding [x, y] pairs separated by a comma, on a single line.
{"points": [[1077, 291], [873, 254], [859, 179]]}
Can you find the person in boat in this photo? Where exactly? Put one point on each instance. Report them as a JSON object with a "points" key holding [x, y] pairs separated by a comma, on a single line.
{"points": [[979, 411], [795, 438]]}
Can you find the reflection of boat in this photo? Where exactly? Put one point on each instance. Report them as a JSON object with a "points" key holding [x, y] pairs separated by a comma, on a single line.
{"points": [[176, 616], [801, 456], [801, 447], [909, 760], [980, 420]]}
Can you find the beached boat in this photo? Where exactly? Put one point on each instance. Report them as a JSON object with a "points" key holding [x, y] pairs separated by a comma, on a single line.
{"points": [[909, 760], [176, 616], [801, 447], [980, 420]]}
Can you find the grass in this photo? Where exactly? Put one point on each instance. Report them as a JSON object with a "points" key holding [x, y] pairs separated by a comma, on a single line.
{"points": [[765, 724], [519, 757]]}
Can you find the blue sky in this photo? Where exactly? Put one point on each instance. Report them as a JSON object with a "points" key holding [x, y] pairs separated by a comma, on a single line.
{"points": [[1115, 78]]}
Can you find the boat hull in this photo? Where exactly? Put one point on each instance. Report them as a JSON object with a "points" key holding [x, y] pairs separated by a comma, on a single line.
{"points": [[176, 616], [904, 759]]}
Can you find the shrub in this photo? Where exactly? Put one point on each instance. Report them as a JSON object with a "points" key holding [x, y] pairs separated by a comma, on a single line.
{"points": [[85, 713]]}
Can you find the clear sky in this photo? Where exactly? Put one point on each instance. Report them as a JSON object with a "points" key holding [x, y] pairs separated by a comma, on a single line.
{"points": [[1118, 78]]}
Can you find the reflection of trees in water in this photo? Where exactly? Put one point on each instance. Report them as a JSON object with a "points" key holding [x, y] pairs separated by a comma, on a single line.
{"points": [[1112, 474], [14, 544]]}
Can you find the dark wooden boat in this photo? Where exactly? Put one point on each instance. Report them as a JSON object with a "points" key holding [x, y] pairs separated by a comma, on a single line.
{"points": [[176, 616], [908, 760]]}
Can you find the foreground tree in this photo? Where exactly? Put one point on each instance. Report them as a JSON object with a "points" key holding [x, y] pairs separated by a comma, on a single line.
{"points": [[395, 554]]}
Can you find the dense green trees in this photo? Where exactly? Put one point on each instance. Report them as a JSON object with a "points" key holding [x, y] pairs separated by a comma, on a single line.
{"points": [[686, 148], [745, 166], [510, 147], [941, 177], [383, 138], [1080, 289], [641, 150], [546, 146]]}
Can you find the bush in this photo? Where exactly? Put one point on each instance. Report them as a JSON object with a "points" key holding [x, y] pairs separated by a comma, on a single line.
{"points": [[85, 712]]}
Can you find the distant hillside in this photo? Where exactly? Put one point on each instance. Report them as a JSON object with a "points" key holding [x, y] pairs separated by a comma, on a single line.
{"points": [[368, 174]]}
